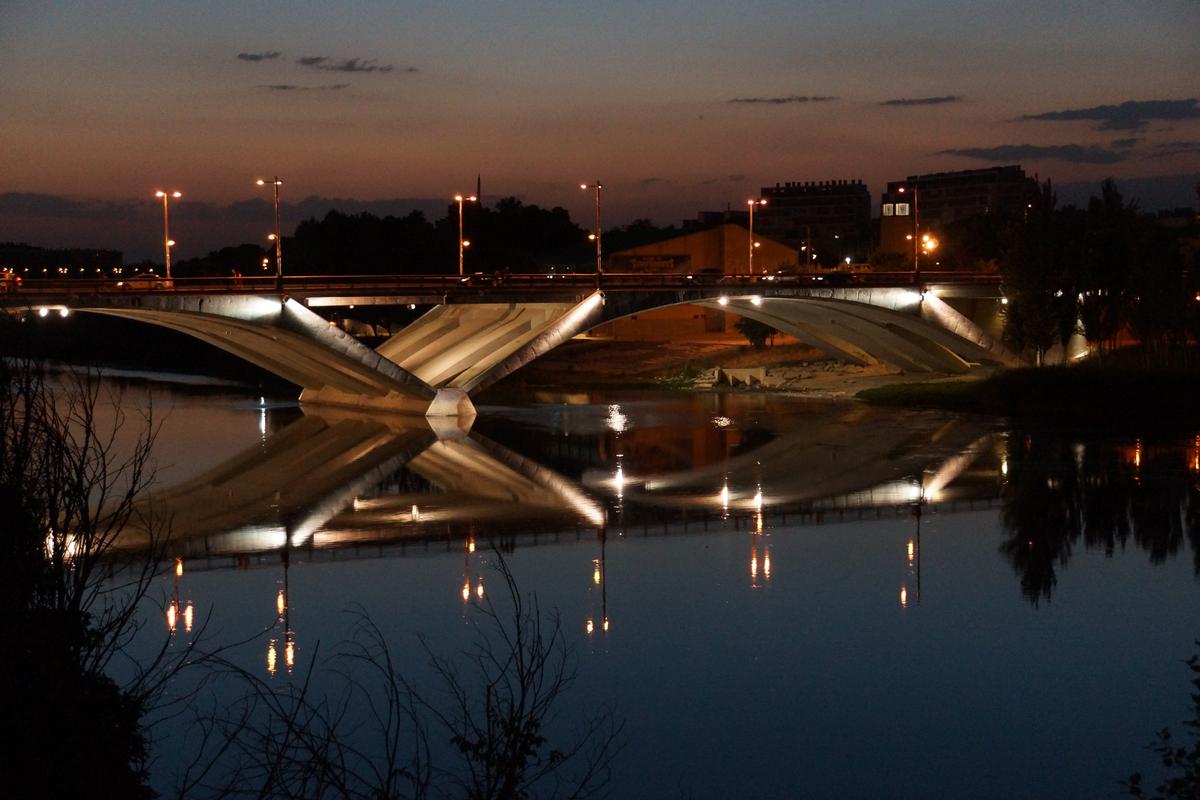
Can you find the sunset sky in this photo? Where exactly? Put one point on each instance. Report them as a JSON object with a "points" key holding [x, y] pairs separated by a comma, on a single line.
{"points": [[676, 106]]}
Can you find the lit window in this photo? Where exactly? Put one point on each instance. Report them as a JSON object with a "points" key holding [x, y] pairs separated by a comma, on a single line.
{"points": [[901, 209], [888, 208]]}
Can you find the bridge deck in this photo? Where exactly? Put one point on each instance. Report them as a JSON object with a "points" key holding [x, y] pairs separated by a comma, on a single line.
{"points": [[424, 289]]}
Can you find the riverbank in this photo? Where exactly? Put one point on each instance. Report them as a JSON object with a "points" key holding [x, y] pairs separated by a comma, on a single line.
{"points": [[790, 369], [1117, 399]]}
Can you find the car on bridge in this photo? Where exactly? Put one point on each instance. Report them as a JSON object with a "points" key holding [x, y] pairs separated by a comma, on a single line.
{"points": [[145, 280]]}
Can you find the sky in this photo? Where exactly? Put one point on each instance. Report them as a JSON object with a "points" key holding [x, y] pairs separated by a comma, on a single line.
{"points": [[676, 107]]}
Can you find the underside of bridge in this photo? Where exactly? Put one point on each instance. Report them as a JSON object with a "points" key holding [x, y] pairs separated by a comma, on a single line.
{"points": [[433, 366]]}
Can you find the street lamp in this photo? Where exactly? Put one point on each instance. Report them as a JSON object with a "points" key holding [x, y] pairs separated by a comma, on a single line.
{"points": [[168, 242], [750, 260], [916, 239], [462, 243], [276, 183], [597, 186]]}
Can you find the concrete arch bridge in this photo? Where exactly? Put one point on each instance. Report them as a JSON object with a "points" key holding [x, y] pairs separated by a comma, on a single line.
{"points": [[480, 329]]}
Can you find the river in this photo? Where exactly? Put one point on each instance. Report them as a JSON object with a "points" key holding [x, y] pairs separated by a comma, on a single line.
{"points": [[778, 598]]}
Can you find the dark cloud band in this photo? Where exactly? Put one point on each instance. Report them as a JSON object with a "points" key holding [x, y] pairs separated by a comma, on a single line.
{"points": [[292, 87], [269, 55], [923, 101], [328, 64], [1070, 153], [781, 101], [1128, 116]]}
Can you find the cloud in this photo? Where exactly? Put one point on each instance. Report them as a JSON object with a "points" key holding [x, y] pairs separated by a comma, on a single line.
{"points": [[269, 55], [291, 87], [650, 181], [1128, 116], [923, 101], [348, 65], [1071, 153], [1168, 149], [782, 101], [1125, 144]]}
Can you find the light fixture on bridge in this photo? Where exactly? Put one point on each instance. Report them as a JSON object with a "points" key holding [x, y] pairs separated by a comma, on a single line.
{"points": [[168, 242], [756, 300], [722, 300], [277, 239], [462, 243], [595, 235], [753, 244]]}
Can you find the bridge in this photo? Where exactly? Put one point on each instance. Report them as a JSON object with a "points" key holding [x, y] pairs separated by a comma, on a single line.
{"points": [[481, 328]]}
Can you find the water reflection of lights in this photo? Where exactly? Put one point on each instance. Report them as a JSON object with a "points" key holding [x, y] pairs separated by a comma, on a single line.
{"points": [[466, 587], [179, 568], [599, 580], [272, 657], [617, 421], [280, 603], [903, 597], [619, 482], [758, 499], [725, 497]]}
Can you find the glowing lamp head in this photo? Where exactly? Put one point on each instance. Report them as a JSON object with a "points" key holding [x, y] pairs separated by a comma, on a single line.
{"points": [[160, 193], [170, 242], [261, 182], [458, 198], [472, 199], [583, 186], [270, 237], [177, 195], [466, 243]]}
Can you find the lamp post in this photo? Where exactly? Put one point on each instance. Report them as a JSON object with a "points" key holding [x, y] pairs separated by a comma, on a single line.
{"points": [[916, 238], [597, 186], [168, 242], [276, 183], [462, 243], [750, 259]]}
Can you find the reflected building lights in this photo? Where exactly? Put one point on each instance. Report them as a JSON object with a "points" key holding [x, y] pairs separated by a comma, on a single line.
{"points": [[904, 597], [172, 616], [188, 615], [272, 657]]}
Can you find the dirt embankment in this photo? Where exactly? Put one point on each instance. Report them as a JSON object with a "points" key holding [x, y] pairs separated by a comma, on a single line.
{"points": [[794, 369]]}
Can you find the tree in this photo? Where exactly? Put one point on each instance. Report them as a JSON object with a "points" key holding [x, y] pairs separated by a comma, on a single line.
{"points": [[70, 597], [1034, 272], [756, 333], [493, 737]]}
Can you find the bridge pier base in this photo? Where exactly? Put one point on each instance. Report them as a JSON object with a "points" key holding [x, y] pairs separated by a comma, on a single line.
{"points": [[446, 403]]}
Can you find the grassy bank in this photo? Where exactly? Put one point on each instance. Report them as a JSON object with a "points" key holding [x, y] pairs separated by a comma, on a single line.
{"points": [[1089, 396]]}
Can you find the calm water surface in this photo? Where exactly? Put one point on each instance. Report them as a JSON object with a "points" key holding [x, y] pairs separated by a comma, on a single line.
{"points": [[781, 598]]}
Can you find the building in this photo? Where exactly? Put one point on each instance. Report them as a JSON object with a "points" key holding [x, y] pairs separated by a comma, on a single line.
{"points": [[943, 198], [723, 249], [828, 219]]}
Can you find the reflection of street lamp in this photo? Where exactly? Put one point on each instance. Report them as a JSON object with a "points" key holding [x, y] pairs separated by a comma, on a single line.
{"points": [[595, 236], [750, 260], [462, 243], [168, 242], [276, 183]]}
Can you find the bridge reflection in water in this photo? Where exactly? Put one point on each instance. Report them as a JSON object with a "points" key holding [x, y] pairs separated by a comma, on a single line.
{"points": [[344, 485]]}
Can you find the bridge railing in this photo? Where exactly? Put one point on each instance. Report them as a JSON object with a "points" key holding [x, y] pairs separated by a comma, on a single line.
{"points": [[454, 284]]}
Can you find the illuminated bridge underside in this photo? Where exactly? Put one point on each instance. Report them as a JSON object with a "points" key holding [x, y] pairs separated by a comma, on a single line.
{"points": [[285, 338], [457, 349], [463, 346]]}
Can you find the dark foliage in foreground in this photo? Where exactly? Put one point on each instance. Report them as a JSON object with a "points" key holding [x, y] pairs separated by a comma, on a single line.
{"points": [[1179, 757], [67, 602], [490, 728]]}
